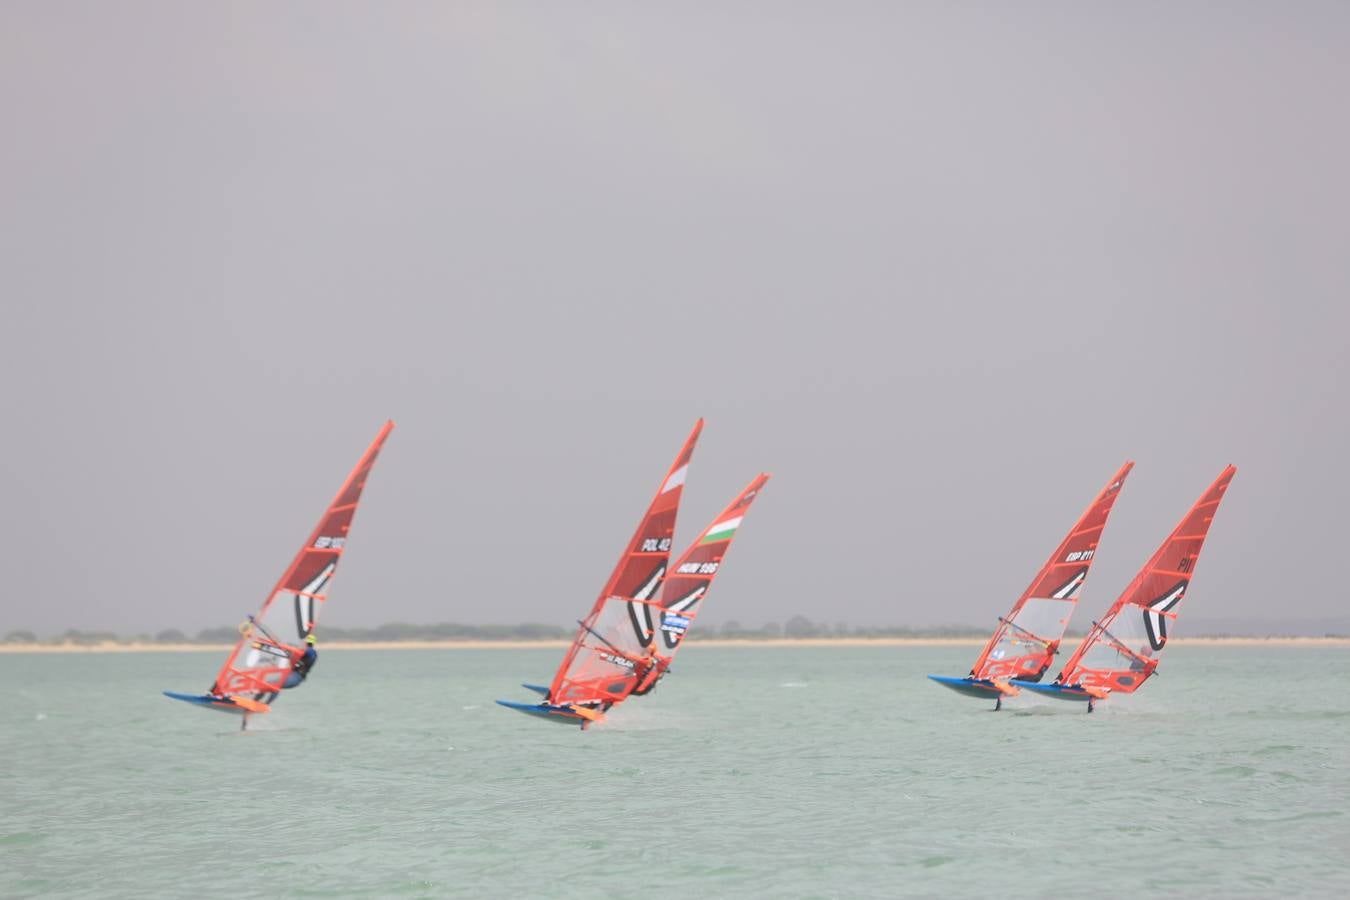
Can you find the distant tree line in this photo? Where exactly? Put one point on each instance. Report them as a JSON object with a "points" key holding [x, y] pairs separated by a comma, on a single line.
{"points": [[800, 627], [795, 628], [393, 631]]}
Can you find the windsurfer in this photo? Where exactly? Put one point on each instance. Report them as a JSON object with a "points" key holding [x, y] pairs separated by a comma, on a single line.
{"points": [[1039, 672], [649, 670], [303, 663]]}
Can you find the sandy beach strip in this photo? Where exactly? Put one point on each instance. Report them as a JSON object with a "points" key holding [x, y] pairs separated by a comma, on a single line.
{"points": [[730, 642]]}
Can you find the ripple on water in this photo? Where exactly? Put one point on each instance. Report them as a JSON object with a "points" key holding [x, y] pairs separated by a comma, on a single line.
{"points": [[1311, 815], [874, 788]]}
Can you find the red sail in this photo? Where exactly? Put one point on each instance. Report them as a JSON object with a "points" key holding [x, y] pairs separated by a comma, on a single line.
{"points": [[692, 575], [1026, 640], [618, 645], [261, 661], [634, 582], [1121, 651]]}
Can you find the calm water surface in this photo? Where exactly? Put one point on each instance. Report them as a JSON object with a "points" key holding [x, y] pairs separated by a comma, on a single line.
{"points": [[799, 772]]}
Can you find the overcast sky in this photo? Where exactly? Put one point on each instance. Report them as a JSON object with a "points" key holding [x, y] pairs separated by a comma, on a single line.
{"points": [[941, 269]]}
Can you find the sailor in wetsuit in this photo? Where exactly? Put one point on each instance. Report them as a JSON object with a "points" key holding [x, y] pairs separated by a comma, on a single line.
{"points": [[649, 671], [303, 663], [1050, 650]]}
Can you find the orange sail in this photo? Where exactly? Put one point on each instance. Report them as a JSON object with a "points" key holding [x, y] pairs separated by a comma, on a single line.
{"points": [[1027, 639], [626, 598], [1121, 651], [272, 640]]}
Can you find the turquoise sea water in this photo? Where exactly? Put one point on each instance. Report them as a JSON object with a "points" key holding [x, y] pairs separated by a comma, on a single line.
{"points": [[798, 772]]}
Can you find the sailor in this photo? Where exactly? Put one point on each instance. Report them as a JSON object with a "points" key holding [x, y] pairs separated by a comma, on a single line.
{"points": [[649, 671], [1040, 671], [303, 663], [1051, 651]]}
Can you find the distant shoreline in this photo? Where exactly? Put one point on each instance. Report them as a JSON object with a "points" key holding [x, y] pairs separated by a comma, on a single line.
{"points": [[729, 642]]}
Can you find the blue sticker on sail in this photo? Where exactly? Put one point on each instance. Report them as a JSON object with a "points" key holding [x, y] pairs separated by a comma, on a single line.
{"points": [[674, 623]]}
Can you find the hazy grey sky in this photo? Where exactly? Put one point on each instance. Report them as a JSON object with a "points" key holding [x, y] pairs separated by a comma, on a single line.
{"points": [[939, 268]]}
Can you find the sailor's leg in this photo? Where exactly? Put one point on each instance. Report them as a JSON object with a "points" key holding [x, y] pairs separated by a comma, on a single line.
{"points": [[998, 703], [243, 722], [1092, 705]]}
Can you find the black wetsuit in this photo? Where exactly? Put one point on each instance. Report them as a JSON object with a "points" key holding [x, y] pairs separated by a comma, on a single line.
{"points": [[652, 674], [306, 662], [1034, 676], [300, 668]]}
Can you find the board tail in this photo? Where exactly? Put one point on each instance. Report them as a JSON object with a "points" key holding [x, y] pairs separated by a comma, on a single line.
{"points": [[223, 704], [560, 714]]}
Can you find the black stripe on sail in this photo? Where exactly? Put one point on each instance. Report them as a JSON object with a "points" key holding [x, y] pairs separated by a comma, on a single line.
{"points": [[1156, 627], [304, 614], [688, 600], [304, 606], [1068, 587], [1155, 623], [651, 583], [642, 622], [1170, 599]]}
